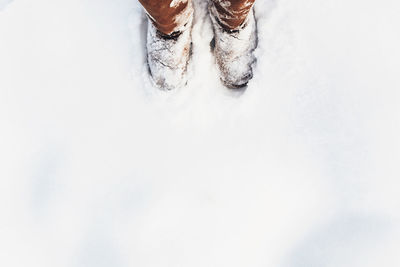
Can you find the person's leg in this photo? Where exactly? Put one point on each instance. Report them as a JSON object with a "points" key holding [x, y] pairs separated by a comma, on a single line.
{"points": [[232, 13], [168, 16], [235, 39], [168, 41]]}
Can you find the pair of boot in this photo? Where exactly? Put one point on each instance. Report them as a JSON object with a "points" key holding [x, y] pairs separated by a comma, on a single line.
{"points": [[168, 55]]}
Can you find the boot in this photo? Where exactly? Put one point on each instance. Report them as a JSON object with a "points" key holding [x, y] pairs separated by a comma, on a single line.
{"points": [[233, 49], [168, 55]]}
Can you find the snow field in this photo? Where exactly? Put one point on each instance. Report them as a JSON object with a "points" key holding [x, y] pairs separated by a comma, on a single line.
{"points": [[100, 169]]}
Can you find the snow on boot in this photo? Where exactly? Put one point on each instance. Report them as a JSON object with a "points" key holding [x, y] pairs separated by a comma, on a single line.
{"points": [[233, 50], [168, 55]]}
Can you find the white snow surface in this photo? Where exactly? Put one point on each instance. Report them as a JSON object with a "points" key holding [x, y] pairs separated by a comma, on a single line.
{"points": [[97, 168]]}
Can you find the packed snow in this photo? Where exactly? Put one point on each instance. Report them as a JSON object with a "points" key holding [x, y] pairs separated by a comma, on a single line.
{"points": [[98, 168]]}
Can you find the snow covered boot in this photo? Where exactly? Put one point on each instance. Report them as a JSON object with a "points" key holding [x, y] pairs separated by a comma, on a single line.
{"points": [[233, 48], [168, 55]]}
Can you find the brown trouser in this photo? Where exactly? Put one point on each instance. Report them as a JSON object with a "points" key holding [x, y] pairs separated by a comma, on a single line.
{"points": [[170, 15]]}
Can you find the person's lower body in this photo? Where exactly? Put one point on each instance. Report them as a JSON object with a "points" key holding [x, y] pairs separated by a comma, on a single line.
{"points": [[235, 39], [169, 40]]}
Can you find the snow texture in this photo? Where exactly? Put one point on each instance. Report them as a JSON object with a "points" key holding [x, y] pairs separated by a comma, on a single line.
{"points": [[175, 3], [98, 168], [4, 3]]}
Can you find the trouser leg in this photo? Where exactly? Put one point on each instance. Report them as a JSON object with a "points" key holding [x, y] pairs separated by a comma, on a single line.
{"points": [[169, 16], [232, 13]]}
